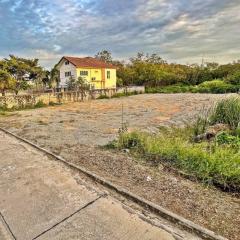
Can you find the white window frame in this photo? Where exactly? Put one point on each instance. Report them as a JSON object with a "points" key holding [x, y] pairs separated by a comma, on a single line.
{"points": [[68, 74]]}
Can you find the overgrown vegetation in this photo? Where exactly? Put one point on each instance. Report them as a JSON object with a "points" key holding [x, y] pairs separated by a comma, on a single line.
{"points": [[213, 157], [159, 76], [125, 94], [40, 104], [214, 86], [227, 111], [118, 95]]}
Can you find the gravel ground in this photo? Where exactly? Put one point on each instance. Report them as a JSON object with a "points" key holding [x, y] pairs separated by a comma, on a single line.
{"points": [[75, 131]]}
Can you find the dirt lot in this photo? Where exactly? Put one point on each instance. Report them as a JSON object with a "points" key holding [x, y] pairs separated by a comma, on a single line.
{"points": [[74, 131]]}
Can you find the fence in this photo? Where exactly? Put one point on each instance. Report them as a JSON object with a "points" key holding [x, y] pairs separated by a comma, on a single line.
{"points": [[30, 100]]}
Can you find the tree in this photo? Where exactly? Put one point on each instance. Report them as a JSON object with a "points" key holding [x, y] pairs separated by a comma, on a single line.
{"points": [[24, 70], [46, 78], [105, 56], [148, 58], [6, 81], [79, 84], [71, 83]]}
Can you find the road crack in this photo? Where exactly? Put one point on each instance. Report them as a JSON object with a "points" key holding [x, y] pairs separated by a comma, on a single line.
{"points": [[66, 218]]}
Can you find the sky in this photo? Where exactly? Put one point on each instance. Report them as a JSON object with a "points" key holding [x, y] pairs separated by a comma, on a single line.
{"points": [[181, 31]]}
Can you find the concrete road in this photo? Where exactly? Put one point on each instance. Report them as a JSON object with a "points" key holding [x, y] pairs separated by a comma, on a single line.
{"points": [[42, 199]]}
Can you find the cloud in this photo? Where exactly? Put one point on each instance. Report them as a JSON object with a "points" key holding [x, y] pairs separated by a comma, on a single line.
{"points": [[181, 31]]}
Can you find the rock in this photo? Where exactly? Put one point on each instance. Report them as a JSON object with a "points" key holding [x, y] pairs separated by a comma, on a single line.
{"points": [[149, 179], [211, 132], [215, 129], [126, 150]]}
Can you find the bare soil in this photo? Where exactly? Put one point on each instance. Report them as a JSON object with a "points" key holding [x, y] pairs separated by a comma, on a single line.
{"points": [[75, 131]]}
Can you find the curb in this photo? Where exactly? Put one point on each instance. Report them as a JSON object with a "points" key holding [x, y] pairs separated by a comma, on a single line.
{"points": [[186, 224]]}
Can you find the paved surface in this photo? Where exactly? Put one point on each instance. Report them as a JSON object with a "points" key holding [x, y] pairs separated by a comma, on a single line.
{"points": [[41, 199]]}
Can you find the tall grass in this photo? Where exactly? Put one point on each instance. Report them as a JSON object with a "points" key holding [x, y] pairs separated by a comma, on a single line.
{"points": [[210, 163], [227, 111]]}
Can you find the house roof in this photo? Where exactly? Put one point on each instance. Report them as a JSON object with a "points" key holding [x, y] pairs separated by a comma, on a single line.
{"points": [[88, 62]]}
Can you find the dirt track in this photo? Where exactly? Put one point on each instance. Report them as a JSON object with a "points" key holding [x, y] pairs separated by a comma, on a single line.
{"points": [[74, 130]]}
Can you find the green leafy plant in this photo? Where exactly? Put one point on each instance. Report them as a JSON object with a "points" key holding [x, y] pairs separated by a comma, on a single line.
{"points": [[216, 86], [226, 138]]}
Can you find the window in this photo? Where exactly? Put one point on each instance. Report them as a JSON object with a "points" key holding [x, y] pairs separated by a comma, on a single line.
{"points": [[68, 74], [108, 74], [93, 79], [66, 62], [83, 73]]}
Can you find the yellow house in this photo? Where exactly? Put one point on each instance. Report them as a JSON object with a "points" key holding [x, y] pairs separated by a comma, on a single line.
{"points": [[98, 74]]}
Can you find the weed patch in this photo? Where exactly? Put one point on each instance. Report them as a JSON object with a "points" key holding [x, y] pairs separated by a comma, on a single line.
{"points": [[103, 97], [213, 161]]}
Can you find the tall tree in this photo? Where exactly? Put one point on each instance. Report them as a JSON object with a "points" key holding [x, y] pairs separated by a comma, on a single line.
{"points": [[23, 70], [105, 56]]}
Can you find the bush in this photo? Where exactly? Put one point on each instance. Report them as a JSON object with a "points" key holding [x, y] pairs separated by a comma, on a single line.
{"points": [[169, 89], [216, 86], [39, 104], [233, 78], [226, 138], [125, 94]]}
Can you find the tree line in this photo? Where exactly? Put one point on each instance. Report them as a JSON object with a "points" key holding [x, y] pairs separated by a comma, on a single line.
{"points": [[153, 71], [150, 70]]}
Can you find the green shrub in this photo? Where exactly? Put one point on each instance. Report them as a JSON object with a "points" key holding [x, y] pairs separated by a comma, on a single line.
{"points": [[118, 95], [233, 78], [216, 86], [226, 138], [125, 94], [169, 89], [51, 103], [39, 104]]}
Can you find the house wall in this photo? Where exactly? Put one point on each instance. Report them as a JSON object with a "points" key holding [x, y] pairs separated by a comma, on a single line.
{"points": [[112, 82], [100, 75], [92, 73], [66, 68]]}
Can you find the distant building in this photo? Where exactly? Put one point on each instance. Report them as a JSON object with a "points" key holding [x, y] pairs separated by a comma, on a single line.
{"points": [[98, 74]]}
